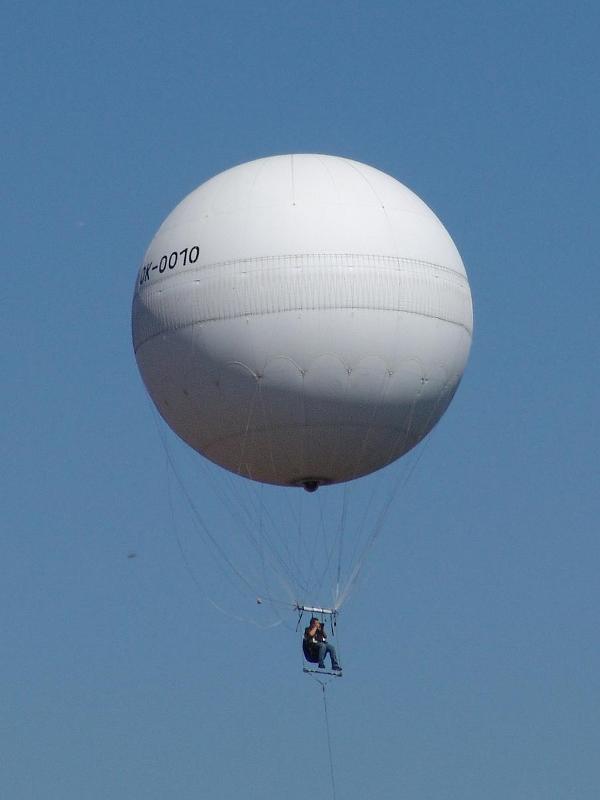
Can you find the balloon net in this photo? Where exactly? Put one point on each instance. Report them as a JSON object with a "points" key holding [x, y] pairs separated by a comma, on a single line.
{"points": [[257, 552]]}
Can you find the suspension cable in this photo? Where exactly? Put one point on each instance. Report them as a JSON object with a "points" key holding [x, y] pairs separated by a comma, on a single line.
{"points": [[399, 485], [191, 572]]}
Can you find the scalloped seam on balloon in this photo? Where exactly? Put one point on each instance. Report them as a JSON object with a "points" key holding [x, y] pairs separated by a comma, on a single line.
{"points": [[174, 329]]}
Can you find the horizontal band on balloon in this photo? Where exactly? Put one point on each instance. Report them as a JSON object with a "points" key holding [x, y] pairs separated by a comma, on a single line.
{"points": [[278, 284]]}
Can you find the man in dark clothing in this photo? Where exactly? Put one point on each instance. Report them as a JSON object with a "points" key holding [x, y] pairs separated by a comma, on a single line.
{"points": [[316, 646]]}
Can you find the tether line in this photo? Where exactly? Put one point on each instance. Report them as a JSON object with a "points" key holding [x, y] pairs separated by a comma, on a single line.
{"points": [[333, 792]]}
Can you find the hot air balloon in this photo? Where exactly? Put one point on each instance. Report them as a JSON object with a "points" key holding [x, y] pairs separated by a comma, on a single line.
{"points": [[302, 321]]}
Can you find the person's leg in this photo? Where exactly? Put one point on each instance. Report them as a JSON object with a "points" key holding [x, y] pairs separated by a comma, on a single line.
{"points": [[332, 656], [322, 652]]}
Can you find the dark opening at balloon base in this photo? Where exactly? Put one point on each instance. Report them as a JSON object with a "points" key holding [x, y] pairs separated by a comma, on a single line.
{"points": [[311, 484]]}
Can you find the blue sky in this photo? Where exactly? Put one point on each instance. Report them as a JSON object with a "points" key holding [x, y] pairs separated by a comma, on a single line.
{"points": [[471, 648]]}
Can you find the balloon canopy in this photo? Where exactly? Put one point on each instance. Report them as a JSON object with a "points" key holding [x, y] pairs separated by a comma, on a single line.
{"points": [[302, 320]]}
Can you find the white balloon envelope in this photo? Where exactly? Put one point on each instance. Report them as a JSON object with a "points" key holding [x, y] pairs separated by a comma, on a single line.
{"points": [[302, 320]]}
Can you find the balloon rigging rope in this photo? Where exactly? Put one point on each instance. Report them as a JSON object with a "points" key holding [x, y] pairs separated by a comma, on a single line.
{"points": [[218, 554], [343, 535], [379, 502], [329, 552], [323, 529], [238, 495], [398, 485], [203, 527], [285, 561], [273, 550], [313, 543], [291, 560], [266, 581], [235, 502], [309, 545], [375, 533], [191, 572]]}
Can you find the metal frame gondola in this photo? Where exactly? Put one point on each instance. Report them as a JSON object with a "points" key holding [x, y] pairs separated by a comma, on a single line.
{"points": [[332, 613]]}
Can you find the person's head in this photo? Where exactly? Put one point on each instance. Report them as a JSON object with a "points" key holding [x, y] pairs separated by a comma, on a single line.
{"points": [[314, 621]]}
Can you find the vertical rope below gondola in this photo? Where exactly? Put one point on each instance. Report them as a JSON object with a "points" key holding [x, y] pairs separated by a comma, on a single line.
{"points": [[333, 793]]}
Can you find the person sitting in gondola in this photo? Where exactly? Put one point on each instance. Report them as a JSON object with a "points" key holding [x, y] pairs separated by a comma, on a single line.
{"points": [[316, 646]]}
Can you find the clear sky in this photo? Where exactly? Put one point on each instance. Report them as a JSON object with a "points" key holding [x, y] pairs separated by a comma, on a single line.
{"points": [[471, 649]]}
